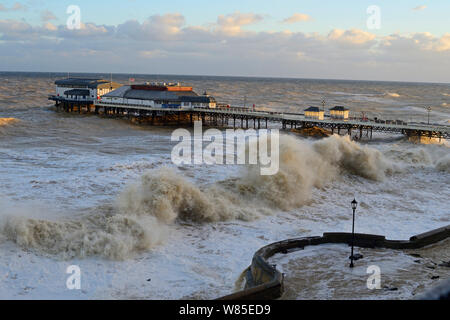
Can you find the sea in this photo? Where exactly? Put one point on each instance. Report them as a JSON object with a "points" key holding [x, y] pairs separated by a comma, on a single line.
{"points": [[103, 195]]}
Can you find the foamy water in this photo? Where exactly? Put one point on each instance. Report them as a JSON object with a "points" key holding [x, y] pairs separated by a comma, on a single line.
{"points": [[102, 193]]}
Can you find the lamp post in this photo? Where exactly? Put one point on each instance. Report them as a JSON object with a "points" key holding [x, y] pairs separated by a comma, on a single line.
{"points": [[323, 105], [354, 206], [429, 111]]}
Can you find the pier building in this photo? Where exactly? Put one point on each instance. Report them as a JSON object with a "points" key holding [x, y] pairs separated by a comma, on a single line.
{"points": [[159, 95], [314, 113], [82, 89], [339, 112]]}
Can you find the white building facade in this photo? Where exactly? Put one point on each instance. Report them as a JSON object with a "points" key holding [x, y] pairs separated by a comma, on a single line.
{"points": [[84, 90], [158, 96]]}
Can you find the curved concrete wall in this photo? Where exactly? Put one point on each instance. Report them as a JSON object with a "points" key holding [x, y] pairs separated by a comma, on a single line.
{"points": [[265, 282], [440, 292]]}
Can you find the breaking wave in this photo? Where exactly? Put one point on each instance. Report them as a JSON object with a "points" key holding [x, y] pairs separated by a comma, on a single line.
{"points": [[7, 121], [444, 164], [169, 196], [114, 237], [392, 95], [146, 208], [432, 156]]}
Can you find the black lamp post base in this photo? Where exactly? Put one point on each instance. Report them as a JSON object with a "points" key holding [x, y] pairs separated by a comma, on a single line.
{"points": [[355, 257]]}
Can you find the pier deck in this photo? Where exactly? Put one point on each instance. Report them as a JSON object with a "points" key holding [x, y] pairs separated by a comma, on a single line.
{"points": [[247, 118]]}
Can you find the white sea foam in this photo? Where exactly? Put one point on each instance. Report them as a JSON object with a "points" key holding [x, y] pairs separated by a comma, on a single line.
{"points": [[161, 196]]}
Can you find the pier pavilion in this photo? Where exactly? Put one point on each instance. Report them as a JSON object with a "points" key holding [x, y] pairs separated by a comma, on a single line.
{"points": [[314, 113], [78, 93], [339, 112]]}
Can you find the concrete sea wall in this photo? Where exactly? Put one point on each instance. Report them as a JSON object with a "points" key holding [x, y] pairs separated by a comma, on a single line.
{"points": [[265, 282]]}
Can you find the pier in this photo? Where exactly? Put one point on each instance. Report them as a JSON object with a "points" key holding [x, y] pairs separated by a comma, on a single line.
{"points": [[246, 118]]}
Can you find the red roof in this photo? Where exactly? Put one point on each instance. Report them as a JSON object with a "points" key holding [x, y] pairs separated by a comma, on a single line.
{"points": [[150, 87]]}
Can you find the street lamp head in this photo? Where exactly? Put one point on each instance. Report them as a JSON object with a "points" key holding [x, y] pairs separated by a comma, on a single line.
{"points": [[354, 204]]}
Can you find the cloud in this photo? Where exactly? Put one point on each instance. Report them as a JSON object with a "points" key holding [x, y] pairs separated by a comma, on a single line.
{"points": [[156, 27], [168, 24], [223, 47], [47, 16], [297, 17], [50, 27], [14, 30], [420, 8], [443, 43], [352, 37], [151, 54], [416, 43], [87, 30], [16, 7], [232, 24]]}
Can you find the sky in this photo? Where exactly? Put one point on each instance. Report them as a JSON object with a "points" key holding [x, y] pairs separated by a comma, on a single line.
{"points": [[402, 40]]}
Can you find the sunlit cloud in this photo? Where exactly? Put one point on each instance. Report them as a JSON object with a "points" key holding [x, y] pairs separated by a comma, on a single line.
{"points": [[232, 24], [353, 37], [297, 17], [420, 8]]}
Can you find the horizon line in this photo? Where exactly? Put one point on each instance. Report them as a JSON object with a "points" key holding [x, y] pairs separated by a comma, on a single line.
{"points": [[228, 76]]}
